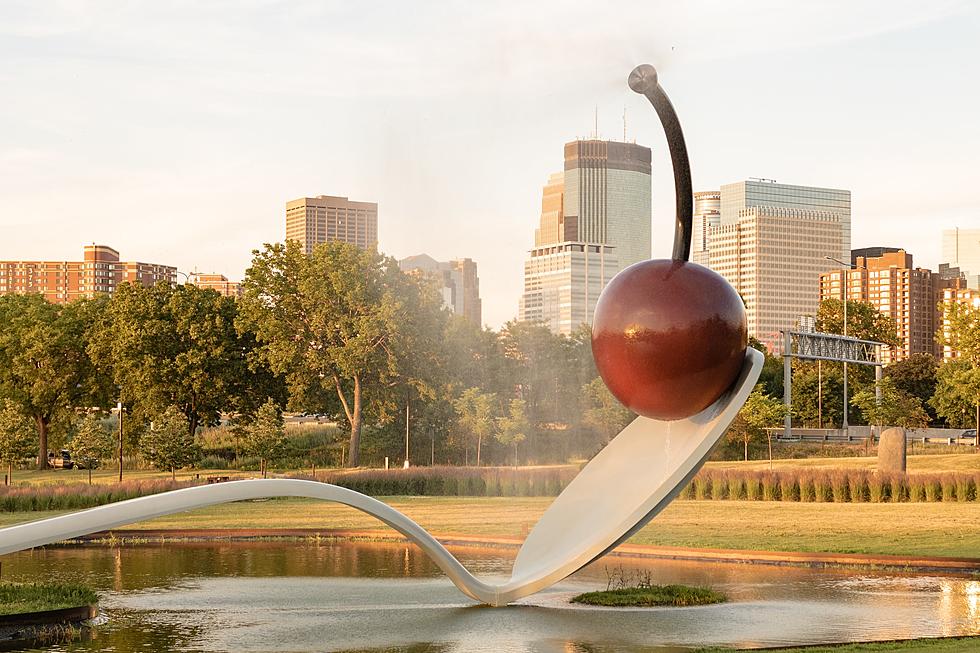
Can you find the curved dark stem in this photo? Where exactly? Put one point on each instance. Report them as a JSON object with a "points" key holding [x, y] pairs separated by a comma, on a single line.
{"points": [[644, 80]]}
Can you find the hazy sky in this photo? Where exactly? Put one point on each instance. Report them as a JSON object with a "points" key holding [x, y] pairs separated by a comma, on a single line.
{"points": [[176, 131]]}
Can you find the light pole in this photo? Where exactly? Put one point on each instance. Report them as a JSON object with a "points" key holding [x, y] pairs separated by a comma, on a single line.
{"points": [[847, 267]]}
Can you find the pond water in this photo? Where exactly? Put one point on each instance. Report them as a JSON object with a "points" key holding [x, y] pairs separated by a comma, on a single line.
{"points": [[329, 596]]}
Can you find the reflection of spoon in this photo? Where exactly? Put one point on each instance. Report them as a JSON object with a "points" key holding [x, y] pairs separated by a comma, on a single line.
{"points": [[631, 480]]}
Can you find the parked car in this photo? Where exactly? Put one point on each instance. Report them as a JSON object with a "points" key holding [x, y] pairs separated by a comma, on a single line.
{"points": [[970, 433], [61, 459]]}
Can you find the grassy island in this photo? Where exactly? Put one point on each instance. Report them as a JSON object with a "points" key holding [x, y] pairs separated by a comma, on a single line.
{"points": [[652, 596], [16, 598]]}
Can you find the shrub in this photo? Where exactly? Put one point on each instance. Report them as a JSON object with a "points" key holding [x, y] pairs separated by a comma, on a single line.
{"points": [[770, 487], [822, 487], [736, 487], [949, 487], [965, 488], [877, 488], [753, 487], [808, 490], [789, 487], [702, 486], [898, 488], [933, 489], [719, 486], [839, 487]]}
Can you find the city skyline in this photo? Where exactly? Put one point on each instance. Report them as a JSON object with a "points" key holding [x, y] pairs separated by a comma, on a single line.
{"points": [[454, 160]]}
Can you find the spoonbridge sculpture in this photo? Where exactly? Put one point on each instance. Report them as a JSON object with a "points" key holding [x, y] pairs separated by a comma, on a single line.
{"points": [[669, 339]]}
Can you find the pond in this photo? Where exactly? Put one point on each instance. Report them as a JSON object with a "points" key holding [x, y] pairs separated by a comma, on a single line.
{"points": [[356, 596]]}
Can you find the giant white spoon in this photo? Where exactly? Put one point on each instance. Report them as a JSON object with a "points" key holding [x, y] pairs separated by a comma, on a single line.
{"points": [[631, 480]]}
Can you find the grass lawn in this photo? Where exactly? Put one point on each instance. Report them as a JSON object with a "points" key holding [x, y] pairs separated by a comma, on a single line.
{"points": [[962, 645], [18, 598], [652, 596], [931, 529], [954, 462]]}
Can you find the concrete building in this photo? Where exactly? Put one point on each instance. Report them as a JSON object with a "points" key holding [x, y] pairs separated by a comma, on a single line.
{"points": [[770, 243], [595, 220], [961, 249], [886, 278], [961, 294], [218, 282], [314, 220], [459, 283], [707, 214], [99, 271]]}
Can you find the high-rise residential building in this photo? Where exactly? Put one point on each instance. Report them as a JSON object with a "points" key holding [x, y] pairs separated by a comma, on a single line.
{"points": [[707, 213], [99, 271], [957, 292], [595, 220], [218, 282], [771, 244], [885, 278], [459, 283], [314, 220], [961, 249]]}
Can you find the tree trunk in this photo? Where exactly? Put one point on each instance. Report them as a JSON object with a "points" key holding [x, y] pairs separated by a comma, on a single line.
{"points": [[355, 426], [42, 448], [479, 445], [173, 473], [90, 475], [746, 443], [770, 451], [10, 473], [515, 455]]}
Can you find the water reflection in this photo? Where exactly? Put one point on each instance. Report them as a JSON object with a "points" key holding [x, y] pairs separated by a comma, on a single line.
{"points": [[329, 596]]}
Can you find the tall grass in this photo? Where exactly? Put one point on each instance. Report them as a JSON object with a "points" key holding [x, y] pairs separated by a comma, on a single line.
{"points": [[836, 486]]}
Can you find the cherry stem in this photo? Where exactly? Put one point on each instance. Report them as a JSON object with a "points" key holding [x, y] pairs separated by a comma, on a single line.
{"points": [[643, 80]]}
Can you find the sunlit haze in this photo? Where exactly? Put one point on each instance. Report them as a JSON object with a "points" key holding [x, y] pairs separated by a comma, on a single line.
{"points": [[176, 132]]}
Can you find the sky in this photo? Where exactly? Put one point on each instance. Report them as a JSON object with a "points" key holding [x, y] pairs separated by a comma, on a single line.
{"points": [[176, 131]]}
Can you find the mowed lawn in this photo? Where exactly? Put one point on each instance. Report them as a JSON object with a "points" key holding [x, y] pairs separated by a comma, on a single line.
{"points": [[929, 529]]}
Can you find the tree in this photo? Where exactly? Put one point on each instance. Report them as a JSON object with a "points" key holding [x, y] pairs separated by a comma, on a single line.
{"points": [[514, 427], [916, 375], [335, 322], [864, 321], [16, 436], [957, 393], [893, 408], [168, 444], [265, 436], [759, 413], [91, 444], [475, 411], [177, 346], [960, 384], [44, 365], [603, 413]]}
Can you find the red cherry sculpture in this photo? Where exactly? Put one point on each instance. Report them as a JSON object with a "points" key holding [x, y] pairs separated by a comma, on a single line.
{"points": [[668, 337]]}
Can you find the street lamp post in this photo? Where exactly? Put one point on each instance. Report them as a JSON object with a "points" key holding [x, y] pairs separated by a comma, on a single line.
{"points": [[847, 267]]}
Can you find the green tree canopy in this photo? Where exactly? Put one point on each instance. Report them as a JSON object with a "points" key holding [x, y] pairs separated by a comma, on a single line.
{"points": [[16, 436], [476, 414], [265, 436], [957, 394], [168, 443], [759, 413], [176, 346], [917, 376], [893, 408], [45, 368], [864, 321], [336, 322], [91, 444], [603, 414], [513, 427]]}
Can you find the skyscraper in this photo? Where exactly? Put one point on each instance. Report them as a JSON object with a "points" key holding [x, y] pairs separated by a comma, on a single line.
{"points": [[595, 220], [771, 244], [314, 220], [607, 196], [707, 213], [459, 283], [961, 249]]}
